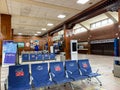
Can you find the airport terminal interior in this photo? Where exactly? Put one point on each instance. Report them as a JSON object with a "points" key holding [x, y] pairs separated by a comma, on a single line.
{"points": [[59, 44]]}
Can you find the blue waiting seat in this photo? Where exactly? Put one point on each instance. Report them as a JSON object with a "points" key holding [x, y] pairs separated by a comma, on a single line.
{"points": [[86, 69], [58, 73], [33, 57], [40, 75], [46, 56], [25, 57], [73, 70], [52, 56], [39, 56], [19, 78]]}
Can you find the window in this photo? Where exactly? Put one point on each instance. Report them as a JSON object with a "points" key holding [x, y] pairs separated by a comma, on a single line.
{"points": [[104, 22], [110, 21], [93, 25], [98, 24], [79, 30], [82, 29], [101, 23]]}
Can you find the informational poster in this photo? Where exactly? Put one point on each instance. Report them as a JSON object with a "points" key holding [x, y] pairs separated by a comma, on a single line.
{"points": [[9, 53], [33, 43]]}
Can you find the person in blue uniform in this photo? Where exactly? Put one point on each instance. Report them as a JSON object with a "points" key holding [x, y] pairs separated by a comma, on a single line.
{"points": [[36, 48]]}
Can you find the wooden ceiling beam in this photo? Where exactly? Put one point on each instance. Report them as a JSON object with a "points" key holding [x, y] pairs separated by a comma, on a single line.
{"points": [[97, 9], [84, 26], [89, 13], [111, 17]]}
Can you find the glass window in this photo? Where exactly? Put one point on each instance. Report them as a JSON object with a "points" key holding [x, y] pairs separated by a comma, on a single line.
{"points": [[93, 25], [101, 23], [98, 24], [79, 30], [82, 29], [110, 21], [104, 22]]}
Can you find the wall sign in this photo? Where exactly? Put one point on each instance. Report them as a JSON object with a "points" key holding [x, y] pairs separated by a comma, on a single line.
{"points": [[102, 41], [33, 43]]}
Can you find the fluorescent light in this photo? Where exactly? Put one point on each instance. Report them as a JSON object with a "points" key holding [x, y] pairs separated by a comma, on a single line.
{"points": [[44, 29], [38, 32], [50, 24], [61, 16], [19, 33], [82, 1]]}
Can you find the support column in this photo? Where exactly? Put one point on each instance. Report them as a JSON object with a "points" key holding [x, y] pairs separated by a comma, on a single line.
{"points": [[119, 28], [6, 32], [67, 45], [50, 42], [89, 39]]}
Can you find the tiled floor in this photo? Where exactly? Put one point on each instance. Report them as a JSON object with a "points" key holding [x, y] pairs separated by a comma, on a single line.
{"points": [[103, 63]]}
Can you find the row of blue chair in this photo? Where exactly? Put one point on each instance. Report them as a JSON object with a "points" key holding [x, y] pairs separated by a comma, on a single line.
{"points": [[37, 57], [44, 76]]}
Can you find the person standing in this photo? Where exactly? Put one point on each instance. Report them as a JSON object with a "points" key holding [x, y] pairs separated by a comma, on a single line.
{"points": [[36, 48]]}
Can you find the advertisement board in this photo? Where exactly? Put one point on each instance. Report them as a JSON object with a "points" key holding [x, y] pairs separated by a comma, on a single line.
{"points": [[9, 52]]}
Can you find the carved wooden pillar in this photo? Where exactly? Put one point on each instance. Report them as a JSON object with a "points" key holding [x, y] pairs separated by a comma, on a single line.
{"points": [[89, 39], [67, 44], [119, 28], [6, 32], [50, 42]]}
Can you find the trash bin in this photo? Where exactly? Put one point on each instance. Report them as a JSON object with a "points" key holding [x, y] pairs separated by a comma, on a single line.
{"points": [[117, 68], [62, 56]]}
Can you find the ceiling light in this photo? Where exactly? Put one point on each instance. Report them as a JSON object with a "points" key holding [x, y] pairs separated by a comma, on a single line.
{"points": [[82, 1], [39, 32], [50, 24], [44, 29], [35, 34], [19, 33], [61, 16]]}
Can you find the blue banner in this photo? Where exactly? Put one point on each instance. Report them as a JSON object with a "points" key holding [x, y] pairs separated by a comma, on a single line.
{"points": [[9, 52], [116, 47]]}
